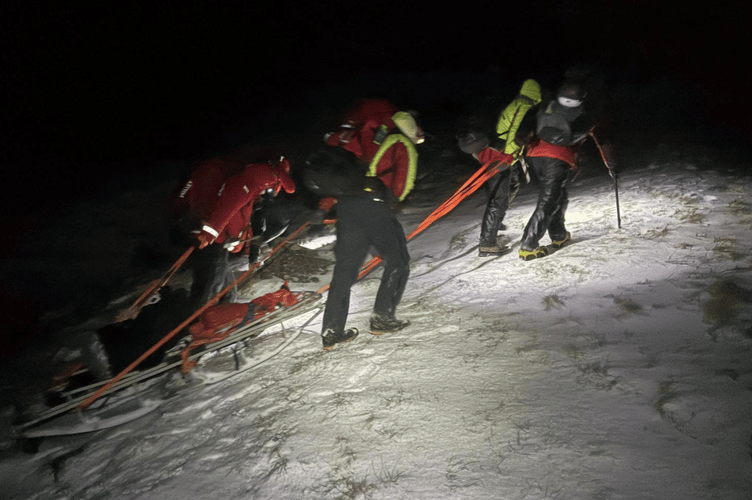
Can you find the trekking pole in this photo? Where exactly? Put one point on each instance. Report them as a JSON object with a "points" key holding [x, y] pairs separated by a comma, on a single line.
{"points": [[469, 187], [185, 323], [140, 302], [613, 174]]}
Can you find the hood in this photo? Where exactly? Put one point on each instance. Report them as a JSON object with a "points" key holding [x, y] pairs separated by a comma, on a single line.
{"points": [[531, 89]]}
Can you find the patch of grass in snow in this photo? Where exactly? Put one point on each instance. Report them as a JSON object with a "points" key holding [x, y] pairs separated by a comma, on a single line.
{"points": [[459, 240], [739, 207], [537, 489], [692, 215], [723, 306], [627, 306], [350, 488], [553, 302], [654, 234], [456, 466], [666, 395], [593, 368], [388, 473], [726, 246]]}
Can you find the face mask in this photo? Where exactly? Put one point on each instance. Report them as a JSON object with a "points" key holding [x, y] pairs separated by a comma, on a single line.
{"points": [[568, 103]]}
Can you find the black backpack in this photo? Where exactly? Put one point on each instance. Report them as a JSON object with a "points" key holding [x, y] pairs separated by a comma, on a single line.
{"points": [[334, 172]]}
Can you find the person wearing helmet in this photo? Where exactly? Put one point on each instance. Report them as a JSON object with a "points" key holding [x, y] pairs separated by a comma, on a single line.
{"points": [[365, 219], [552, 134], [218, 201]]}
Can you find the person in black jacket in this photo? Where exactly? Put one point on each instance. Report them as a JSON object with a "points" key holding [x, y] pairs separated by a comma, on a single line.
{"points": [[551, 134], [365, 219]]}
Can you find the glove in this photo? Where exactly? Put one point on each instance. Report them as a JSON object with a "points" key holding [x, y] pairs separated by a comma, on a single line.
{"points": [[205, 237], [326, 204]]}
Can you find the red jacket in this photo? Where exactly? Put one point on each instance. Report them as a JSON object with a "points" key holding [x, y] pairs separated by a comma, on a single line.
{"points": [[230, 217], [359, 127], [196, 197]]}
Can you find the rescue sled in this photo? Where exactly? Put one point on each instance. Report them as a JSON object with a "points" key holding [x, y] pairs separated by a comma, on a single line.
{"points": [[219, 327]]}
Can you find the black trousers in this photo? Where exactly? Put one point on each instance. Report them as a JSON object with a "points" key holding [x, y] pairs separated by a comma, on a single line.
{"points": [[361, 224], [553, 176], [503, 188], [211, 274]]}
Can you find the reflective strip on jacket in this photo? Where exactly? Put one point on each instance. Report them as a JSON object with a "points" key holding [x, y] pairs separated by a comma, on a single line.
{"points": [[396, 164]]}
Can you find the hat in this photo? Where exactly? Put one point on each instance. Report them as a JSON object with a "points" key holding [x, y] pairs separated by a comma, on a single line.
{"points": [[570, 95], [408, 126], [472, 142]]}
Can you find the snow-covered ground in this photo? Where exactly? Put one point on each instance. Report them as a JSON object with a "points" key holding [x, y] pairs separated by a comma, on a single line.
{"points": [[616, 368]]}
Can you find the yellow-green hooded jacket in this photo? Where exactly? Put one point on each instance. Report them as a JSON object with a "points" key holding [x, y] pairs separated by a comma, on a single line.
{"points": [[510, 118]]}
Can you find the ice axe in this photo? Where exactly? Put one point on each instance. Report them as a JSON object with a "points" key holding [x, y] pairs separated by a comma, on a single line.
{"points": [[613, 174]]}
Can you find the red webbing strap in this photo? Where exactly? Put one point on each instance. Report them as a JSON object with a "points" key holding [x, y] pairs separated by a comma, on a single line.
{"points": [[469, 187]]}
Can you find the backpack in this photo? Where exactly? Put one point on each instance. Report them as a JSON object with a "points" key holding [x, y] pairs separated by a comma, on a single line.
{"points": [[334, 172]]}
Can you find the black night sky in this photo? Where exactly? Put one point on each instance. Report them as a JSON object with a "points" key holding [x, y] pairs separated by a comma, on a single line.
{"points": [[92, 92], [90, 87]]}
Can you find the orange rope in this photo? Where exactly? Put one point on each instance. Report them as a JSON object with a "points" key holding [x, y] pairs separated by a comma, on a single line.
{"points": [[185, 323], [133, 310], [475, 181]]}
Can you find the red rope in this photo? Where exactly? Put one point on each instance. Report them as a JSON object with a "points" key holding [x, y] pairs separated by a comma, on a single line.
{"points": [[469, 187]]}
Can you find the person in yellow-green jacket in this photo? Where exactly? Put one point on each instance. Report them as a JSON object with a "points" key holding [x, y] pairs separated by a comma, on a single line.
{"points": [[504, 185]]}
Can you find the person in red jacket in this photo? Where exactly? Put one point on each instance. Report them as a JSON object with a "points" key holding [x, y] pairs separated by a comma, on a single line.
{"points": [[229, 220], [364, 127], [218, 201]]}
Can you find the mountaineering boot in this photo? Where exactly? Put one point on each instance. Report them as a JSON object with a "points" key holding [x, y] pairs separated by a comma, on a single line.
{"points": [[492, 250], [383, 324], [560, 243], [533, 254], [331, 339]]}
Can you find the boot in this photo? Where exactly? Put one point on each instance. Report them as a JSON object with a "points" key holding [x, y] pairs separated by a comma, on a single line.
{"points": [[533, 254], [492, 250], [560, 243], [383, 324], [331, 339]]}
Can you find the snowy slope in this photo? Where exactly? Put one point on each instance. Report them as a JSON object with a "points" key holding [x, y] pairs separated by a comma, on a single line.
{"points": [[616, 368]]}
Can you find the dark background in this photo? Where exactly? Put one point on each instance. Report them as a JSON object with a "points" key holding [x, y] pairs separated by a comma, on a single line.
{"points": [[118, 81], [93, 91]]}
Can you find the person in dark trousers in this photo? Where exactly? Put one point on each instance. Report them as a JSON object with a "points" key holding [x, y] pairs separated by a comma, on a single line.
{"points": [[365, 219], [505, 185], [552, 134], [217, 205]]}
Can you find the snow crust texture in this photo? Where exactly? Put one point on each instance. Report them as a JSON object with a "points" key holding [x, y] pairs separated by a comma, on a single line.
{"points": [[616, 368]]}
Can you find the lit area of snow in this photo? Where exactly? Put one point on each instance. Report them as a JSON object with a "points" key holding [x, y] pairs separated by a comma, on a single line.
{"points": [[616, 368]]}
